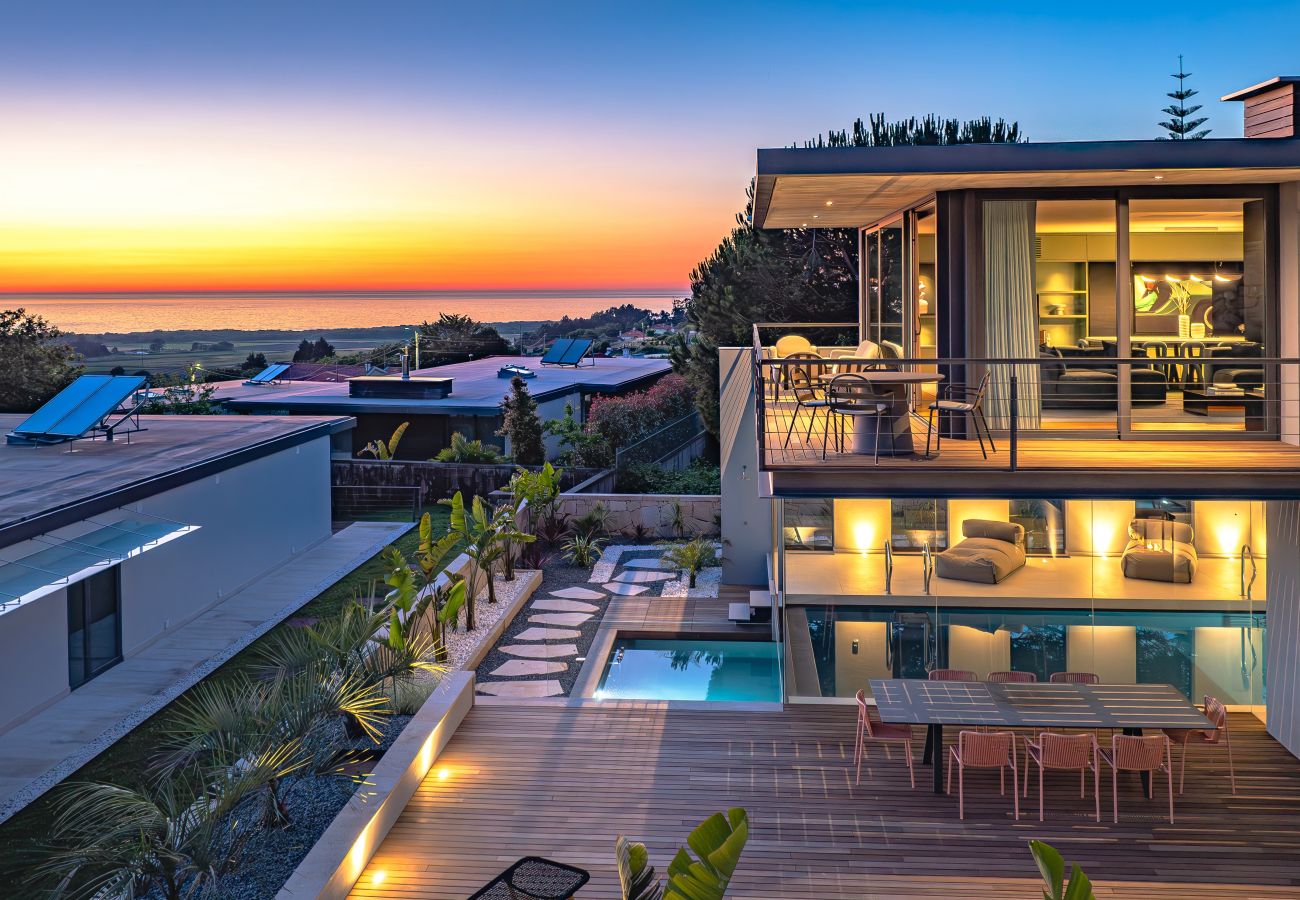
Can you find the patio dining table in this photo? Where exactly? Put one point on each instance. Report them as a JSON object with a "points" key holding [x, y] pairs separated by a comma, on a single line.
{"points": [[1036, 705], [896, 429]]}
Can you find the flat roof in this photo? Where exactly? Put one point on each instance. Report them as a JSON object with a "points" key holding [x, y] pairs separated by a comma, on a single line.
{"points": [[47, 487], [846, 187], [476, 388]]}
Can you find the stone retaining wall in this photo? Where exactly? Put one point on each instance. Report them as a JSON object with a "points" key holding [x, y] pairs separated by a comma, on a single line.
{"points": [[654, 512]]}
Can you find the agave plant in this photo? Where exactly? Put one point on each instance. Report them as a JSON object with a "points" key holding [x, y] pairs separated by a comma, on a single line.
{"points": [[385, 450], [178, 837], [691, 557], [718, 842]]}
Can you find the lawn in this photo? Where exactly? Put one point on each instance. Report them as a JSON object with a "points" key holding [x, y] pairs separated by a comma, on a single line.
{"points": [[127, 760]]}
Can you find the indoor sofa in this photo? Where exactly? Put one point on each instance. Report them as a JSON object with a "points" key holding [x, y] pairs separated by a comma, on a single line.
{"points": [[1090, 382]]}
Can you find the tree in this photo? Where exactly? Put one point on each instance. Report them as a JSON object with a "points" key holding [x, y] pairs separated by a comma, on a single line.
{"points": [[463, 450], [455, 338], [255, 362], [521, 425], [34, 364], [796, 275], [157, 345], [321, 349], [1178, 125]]}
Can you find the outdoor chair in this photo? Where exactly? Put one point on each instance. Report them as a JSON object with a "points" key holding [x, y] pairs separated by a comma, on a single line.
{"points": [[1075, 678], [985, 750], [534, 878], [852, 397], [1012, 677], [1217, 714], [812, 364], [1130, 753], [791, 343], [1066, 753], [951, 675], [808, 395], [956, 399], [879, 733]]}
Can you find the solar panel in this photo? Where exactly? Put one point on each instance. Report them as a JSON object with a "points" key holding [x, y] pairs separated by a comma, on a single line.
{"points": [[269, 374], [577, 350], [78, 408], [557, 352]]}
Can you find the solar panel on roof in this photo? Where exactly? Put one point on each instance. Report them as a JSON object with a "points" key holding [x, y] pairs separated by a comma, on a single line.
{"points": [[557, 352], [577, 350], [82, 406], [269, 374]]}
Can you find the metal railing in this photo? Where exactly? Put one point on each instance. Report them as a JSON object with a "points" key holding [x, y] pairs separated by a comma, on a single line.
{"points": [[376, 503], [1223, 392], [665, 441]]}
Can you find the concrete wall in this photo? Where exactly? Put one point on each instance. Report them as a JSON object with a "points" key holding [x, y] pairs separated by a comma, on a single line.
{"points": [[252, 518], [746, 517], [1283, 651]]}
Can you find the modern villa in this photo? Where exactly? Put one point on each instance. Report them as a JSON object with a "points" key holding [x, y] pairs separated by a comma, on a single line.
{"points": [[1063, 434]]}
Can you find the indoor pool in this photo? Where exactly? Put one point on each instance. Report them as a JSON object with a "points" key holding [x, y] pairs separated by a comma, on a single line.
{"points": [[643, 669]]}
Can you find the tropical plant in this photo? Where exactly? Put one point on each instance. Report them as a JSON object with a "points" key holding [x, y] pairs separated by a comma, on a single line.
{"points": [[484, 534], [638, 532], [594, 521], [635, 874], [580, 447], [537, 493], [718, 842], [381, 449], [677, 518], [1051, 865], [521, 425], [691, 557], [463, 450], [581, 550], [177, 837]]}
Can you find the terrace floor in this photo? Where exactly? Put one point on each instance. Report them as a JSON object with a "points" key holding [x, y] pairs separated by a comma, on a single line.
{"points": [[562, 779]]}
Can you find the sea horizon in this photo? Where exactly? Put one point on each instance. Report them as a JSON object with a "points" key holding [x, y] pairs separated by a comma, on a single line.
{"points": [[116, 312]]}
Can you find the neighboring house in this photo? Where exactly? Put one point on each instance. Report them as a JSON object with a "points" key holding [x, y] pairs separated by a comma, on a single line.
{"points": [[107, 546], [1135, 308], [461, 397]]}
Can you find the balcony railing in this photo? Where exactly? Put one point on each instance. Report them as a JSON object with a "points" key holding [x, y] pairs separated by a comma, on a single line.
{"points": [[1201, 405]]}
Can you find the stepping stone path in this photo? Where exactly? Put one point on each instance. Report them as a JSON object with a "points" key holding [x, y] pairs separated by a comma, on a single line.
{"points": [[548, 634], [522, 689], [625, 590], [541, 651], [569, 619], [642, 577], [646, 564], [578, 593], [548, 604], [514, 668]]}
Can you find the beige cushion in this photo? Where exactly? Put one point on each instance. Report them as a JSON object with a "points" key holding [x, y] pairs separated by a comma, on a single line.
{"points": [[1160, 550], [1010, 532], [980, 559], [1150, 530]]}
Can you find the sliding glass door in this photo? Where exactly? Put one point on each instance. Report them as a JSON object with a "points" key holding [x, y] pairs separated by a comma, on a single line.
{"points": [[94, 626]]}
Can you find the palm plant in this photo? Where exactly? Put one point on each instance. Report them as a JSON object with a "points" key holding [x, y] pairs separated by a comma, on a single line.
{"points": [[385, 450], [431, 608], [691, 557], [463, 450], [1051, 865], [594, 521], [178, 837], [677, 520]]}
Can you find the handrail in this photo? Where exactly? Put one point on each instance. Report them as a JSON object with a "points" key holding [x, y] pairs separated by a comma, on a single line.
{"points": [[889, 566], [1248, 554]]}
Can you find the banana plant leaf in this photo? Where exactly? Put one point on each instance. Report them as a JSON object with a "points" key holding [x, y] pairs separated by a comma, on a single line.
{"points": [[635, 873], [455, 600], [1051, 865], [718, 842]]}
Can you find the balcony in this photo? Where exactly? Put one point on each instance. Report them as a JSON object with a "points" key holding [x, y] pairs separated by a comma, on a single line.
{"points": [[1212, 423]]}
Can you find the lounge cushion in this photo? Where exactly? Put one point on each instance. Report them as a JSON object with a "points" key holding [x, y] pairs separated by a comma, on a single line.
{"points": [[1160, 550], [991, 551]]}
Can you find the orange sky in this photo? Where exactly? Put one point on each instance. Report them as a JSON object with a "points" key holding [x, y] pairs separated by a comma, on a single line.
{"points": [[170, 199]]}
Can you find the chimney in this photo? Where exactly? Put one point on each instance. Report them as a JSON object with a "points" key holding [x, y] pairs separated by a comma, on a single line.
{"points": [[1271, 107]]}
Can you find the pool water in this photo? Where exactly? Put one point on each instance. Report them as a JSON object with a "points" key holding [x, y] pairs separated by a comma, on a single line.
{"points": [[643, 669]]}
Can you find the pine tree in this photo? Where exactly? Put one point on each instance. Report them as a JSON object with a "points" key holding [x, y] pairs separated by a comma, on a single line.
{"points": [[521, 425], [1179, 126]]}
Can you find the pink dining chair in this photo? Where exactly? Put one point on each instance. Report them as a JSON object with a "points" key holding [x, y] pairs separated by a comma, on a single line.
{"points": [[1075, 678], [985, 750], [1218, 715], [1131, 753], [1012, 677], [1066, 753], [880, 733], [951, 675]]}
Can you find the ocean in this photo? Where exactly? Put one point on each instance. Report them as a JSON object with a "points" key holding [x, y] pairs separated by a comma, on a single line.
{"points": [[297, 311]]}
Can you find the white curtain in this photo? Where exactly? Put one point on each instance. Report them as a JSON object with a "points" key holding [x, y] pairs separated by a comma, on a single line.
{"points": [[1011, 310]]}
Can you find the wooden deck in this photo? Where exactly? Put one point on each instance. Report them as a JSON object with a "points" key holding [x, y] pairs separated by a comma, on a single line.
{"points": [[561, 780]]}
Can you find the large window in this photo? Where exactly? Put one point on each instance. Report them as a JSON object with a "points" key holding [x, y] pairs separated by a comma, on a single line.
{"points": [[809, 525], [94, 626], [918, 523], [1044, 524]]}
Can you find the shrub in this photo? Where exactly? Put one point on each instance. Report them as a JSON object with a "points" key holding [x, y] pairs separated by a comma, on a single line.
{"points": [[582, 550], [700, 477], [521, 425], [467, 451]]}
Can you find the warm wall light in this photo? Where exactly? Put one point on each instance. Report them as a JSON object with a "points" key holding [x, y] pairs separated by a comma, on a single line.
{"points": [[444, 773], [864, 536], [379, 876]]}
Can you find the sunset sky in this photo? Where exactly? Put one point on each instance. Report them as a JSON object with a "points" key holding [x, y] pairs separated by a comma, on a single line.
{"points": [[269, 145]]}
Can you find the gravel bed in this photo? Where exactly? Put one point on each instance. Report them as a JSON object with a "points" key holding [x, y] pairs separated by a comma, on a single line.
{"points": [[461, 645]]}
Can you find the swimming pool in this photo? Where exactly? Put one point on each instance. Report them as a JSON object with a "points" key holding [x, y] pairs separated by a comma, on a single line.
{"points": [[679, 669]]}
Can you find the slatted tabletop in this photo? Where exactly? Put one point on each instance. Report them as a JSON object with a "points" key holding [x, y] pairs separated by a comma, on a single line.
{"points": [[1041, 705]]}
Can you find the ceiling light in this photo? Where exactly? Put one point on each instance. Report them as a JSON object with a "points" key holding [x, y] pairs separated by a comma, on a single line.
{"points": [[1223, 278], [1160, 178]]}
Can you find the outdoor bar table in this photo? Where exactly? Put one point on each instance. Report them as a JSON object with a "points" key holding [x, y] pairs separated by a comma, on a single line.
{"points": [[1039, 706]]}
